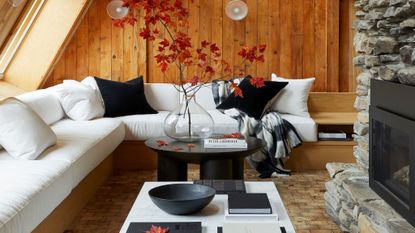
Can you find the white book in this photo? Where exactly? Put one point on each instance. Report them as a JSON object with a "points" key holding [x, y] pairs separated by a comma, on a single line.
{"points": [[340, 135], [254, 227], [225, 143]]}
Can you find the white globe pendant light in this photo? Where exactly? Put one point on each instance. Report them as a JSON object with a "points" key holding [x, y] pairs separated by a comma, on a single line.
{"points": [[15, 3], [116, 10], [236, 10]]}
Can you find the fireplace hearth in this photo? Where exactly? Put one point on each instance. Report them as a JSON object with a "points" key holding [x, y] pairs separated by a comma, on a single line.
{"points": [[392, 145]]}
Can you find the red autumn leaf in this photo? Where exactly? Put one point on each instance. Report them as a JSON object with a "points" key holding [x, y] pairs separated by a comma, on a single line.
{"points": [[214, 48], [209, 69], [262, 48], [243, 52], [191, 145], [156, 229], [162, 143], [145, 33], [165, 43], [118, 23], [204, 44], [164, 66], [237, 91], [260, 58], [233, 135], [177, 148], [257, 82], [195, 80]]}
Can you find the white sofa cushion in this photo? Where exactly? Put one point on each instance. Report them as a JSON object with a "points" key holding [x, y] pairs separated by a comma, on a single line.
{"points": [[22, 132], [294, 97], [80, 101], [143, 127], [162, 96], [306, 127], [30, 191], [45, 103], [85, 144]]}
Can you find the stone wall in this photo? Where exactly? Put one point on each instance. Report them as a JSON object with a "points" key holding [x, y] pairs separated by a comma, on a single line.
{"points": [[385, 42]]}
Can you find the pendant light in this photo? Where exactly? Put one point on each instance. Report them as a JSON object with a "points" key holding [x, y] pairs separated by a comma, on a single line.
{"points": [[116, 10], [236, 9]]}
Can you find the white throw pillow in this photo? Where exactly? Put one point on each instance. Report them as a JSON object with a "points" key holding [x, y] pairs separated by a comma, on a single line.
{"points": [[23, 134], [80, 102], [293, 98]]}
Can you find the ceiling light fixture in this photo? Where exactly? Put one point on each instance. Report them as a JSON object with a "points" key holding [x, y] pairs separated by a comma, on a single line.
{"points": [[116, 9], [236, 9], [15, 3]]}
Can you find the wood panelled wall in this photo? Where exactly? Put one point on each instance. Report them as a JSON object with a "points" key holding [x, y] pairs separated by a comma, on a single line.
{"points": [[303, 38]]}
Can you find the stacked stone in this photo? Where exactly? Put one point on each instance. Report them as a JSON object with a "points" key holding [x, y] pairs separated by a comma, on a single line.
{"points": [[385, 42]]}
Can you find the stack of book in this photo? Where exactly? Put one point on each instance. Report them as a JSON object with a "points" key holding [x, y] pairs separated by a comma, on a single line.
{"points": [[225, 143], [173, 227]]}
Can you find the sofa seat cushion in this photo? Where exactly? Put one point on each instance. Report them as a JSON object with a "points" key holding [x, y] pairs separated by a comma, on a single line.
{"points": [[85, 144], [306, 127], [30, 191], [143, 127]]}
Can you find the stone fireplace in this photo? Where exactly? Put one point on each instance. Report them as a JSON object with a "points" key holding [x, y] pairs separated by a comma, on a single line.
{"points": [[385, 46]]}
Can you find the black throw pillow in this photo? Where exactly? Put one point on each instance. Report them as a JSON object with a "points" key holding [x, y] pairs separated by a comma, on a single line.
{"points": [[255, 99], [121, 99]]}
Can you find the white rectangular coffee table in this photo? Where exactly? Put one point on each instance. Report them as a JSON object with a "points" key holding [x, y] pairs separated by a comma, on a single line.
{"points": [[211, 216]]}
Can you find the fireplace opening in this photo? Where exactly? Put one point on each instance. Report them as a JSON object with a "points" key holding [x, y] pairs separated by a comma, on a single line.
{"points": [[392, 146]]}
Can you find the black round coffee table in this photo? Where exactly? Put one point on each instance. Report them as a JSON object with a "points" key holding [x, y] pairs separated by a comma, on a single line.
{"points": [[216, 163]]}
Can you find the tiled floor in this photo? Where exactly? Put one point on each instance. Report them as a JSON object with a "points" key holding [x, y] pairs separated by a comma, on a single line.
{"points": [[302, 194]]}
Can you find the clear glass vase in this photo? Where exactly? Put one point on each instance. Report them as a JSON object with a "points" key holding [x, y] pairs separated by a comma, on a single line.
{"points": [[189, 122]]}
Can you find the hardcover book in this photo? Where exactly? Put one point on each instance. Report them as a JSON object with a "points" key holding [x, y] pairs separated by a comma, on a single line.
{"points": [[174, 227], [224, 186], [249, 203], [225, 143]]}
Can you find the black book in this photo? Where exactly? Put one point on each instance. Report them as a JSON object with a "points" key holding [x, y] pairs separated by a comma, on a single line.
{"points": [[174, 227], [249, 203], [224, 186]]}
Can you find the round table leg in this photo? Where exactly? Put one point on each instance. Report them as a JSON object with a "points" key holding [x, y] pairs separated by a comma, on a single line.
{"points": [[238, 169], [216, 169], [169, 169]]}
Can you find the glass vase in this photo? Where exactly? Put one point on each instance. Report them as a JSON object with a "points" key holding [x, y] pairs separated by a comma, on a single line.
{"points": [[189, 122]]}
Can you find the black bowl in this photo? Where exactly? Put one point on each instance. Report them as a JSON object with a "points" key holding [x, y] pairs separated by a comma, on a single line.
{"points": [[182, 199]]}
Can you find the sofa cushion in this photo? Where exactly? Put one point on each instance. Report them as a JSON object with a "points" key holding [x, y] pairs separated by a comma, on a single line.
{"points": [[30, 191], [254, 99], [80, 101], [22, 132], [122, 99], [162, 96], [45, 104], [143, 127], [85, 144], [306, 127]]}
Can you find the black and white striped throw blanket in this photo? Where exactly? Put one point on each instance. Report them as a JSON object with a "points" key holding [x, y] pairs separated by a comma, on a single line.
{"points": [[279, 135]]}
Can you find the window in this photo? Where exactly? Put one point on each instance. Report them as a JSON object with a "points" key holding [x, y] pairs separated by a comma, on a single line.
{"points": [[14, 24]]}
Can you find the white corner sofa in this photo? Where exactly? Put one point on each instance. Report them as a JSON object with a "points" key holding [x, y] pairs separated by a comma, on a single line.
{"points": [[30, 190]]}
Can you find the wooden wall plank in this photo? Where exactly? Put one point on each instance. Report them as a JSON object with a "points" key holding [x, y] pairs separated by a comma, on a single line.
{"points": [[305, 38], [94, 34], [333, 21], [275, 37], [82, 50], [105, 41]]}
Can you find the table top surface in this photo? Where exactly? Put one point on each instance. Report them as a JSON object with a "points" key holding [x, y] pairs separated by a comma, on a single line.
{"points": [[211, 216], [197, 147]]}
